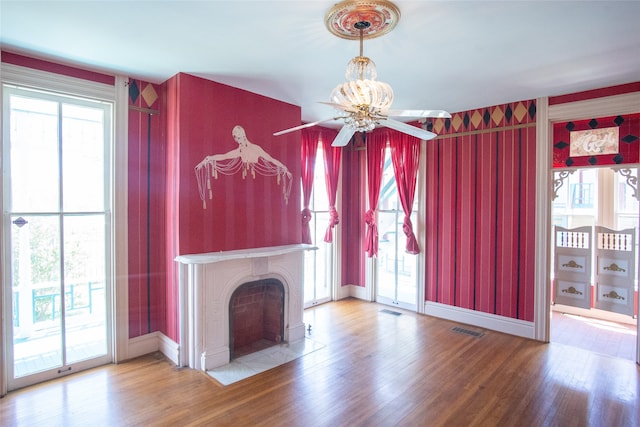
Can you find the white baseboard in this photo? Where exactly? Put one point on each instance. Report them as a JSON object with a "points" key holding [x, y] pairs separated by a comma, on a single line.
{"points": [[150, 343], [343, 292], [507, 325], [169, 348], [354, 291], [493, 322], [144, 344]]}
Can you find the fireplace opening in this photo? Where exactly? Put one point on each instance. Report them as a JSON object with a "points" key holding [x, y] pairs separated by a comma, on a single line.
{"points": [[256, 317]]}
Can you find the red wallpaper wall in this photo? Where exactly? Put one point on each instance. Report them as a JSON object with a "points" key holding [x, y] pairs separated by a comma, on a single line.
{"points": [[244, 211], [480, 220], [52, 67], [352, 224], [146, 193]]}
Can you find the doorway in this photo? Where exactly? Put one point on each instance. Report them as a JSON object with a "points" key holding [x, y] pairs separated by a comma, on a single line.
{"points": [[587, 312], [57, 202]]}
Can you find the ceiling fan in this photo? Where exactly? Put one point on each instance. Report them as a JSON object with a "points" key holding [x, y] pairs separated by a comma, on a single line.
{"points": [[364, 103]]}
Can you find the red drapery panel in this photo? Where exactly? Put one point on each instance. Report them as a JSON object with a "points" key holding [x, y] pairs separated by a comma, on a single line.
{"points": [[331, 173], [308, 162], [405, 156], [376, 144]]}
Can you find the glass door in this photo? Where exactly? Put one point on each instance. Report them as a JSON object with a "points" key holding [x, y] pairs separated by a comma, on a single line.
{"points": [[56, 192], [395, 270], [318, 264]]}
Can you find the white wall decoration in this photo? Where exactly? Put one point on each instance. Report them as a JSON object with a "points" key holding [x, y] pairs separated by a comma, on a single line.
{"points": [[248, 158]]}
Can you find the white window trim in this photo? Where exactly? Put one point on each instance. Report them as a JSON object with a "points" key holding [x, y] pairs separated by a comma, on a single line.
{"points": [[117, 94]]}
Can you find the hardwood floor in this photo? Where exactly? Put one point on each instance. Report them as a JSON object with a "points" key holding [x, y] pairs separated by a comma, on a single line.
{"points": [[376, 369], [600, 336]]}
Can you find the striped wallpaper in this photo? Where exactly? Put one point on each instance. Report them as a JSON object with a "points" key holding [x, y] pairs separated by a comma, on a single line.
{"points": [[480, 211]]}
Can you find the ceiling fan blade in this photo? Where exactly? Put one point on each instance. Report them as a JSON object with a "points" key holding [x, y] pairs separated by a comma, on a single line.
{"points": [[408, 129], [337, 106], [343, 137], [304, 126], [441, 114]]}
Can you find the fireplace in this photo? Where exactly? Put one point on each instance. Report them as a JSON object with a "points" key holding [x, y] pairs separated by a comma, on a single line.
{"points": [[256, 317], [207, 286]]}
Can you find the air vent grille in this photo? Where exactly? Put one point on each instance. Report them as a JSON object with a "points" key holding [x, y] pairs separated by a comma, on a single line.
{"points": [[465, 331], [395, 313]]}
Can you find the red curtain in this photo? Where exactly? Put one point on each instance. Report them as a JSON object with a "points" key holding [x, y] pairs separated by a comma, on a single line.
{"points": [[405, 156], [331, 171], [308, 162], [376, 144]]}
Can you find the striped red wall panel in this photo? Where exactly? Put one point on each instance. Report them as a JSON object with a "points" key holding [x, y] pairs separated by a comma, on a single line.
{"points": [[479, 212], [351, 220], [171, 209], [146, 217]]}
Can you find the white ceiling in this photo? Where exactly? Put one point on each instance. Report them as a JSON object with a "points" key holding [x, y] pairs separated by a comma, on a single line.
{"points": [[452, 55]]}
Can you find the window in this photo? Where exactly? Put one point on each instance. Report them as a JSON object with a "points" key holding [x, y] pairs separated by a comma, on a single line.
{"points": [[396, 271], [318, 264]]}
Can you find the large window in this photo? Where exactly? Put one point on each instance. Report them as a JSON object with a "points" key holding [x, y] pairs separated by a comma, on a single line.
{"points": [[57, 227], [318, 264], [395, 274], [58, 160]]}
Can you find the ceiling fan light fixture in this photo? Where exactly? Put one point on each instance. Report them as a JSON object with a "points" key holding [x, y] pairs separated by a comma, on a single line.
{"points": [[360, 68], [362, 96], [363, 102], [374, 96]]}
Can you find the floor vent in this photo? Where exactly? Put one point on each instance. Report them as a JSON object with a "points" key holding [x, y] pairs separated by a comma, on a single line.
{"points": [[460, 330], [395, 313]]}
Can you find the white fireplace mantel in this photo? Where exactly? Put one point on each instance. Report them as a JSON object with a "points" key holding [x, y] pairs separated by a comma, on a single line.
{"points": [[207, 282], [242, 253]]}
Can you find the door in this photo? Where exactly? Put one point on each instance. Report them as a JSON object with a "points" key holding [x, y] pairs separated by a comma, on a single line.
{"points": [[56, 201], [395, 270], [594, 275]]}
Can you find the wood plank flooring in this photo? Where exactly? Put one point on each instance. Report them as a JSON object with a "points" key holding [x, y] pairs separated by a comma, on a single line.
{"points": [[600, 336], [376, 369]]}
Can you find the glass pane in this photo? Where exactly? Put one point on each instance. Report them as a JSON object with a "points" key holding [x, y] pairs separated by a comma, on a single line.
{"points": [[319, 196], [317, 263], [576, 204], [83, 158], [387, 254], [36, 291], [627, 212], [85, 298], [396, 269], [34, 155], [309, 276], [407, 278], [322, 257], [388, 191]]}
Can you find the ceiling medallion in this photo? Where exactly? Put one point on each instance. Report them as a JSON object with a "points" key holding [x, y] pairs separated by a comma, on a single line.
{"points": [[381, 15]]}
